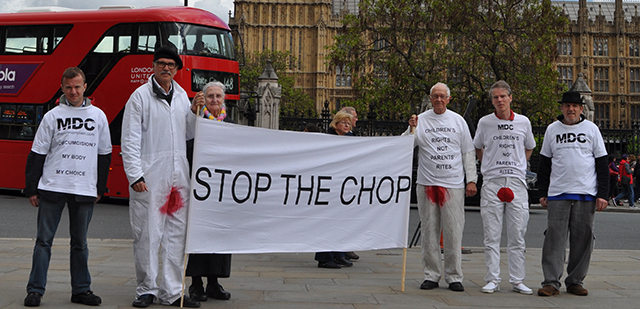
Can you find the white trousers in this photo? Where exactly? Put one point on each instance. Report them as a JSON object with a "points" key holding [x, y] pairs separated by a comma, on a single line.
{"points": [[516, 217], [156, 233], [448, 219]]}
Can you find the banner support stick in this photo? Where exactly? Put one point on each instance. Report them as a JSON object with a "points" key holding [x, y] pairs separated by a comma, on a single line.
{"points": [[184, 279], [404, 268]]}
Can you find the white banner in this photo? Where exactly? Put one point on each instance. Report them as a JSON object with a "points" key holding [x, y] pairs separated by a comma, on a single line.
{"points": [[257, 190]]}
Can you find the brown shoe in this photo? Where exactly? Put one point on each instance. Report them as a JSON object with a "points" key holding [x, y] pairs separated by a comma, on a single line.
{"points": [[577, 289], [351, 255], [548, 290]]}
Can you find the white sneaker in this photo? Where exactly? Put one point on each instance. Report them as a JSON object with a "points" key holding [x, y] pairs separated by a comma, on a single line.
{"points": [[522, 289], [491, 287]]}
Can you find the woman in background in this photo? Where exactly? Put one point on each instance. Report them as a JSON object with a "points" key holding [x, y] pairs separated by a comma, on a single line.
{"points": [[341, 125]]}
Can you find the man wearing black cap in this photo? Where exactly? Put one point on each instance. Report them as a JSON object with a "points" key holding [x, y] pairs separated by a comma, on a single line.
{"points": [[156, 124], [573, 179]]}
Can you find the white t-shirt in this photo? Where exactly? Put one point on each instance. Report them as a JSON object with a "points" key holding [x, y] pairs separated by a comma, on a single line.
{"points": [[72, 138], [573, 149], [442, 139], [504, 142]]}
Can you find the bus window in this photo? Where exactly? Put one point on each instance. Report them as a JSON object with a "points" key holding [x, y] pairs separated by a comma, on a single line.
{"points": [[206, 41], [21, 40], [226, 43], [147, 38], [116, 40], [58, 34], [34, 39], [19, 121], [171, 33]]}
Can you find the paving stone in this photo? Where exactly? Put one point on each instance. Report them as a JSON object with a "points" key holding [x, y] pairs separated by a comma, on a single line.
{"points": [[294, 280]]}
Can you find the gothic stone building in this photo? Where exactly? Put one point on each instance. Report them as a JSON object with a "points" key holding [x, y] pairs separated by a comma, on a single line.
{"points": [[303, 27], [602, 42]]}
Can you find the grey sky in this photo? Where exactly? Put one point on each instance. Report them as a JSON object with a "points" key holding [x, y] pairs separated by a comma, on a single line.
{"points": [[218, 7]]}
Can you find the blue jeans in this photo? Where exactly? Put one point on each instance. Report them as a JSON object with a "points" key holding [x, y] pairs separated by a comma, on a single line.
{"points": [[627, 191], [49, 213]]}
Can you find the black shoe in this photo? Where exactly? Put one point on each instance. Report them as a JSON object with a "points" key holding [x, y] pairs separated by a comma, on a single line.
{"points": [[87, 298], [143, 301], [343, 262], [429, 285], [351, 255], [197, 293], [188, 303], [217, 292], [33, 299], [329, 265], [456, 286]]}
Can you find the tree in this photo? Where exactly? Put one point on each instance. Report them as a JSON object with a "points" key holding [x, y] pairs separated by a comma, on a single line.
{"points": [[398, 49], [293, 99]]}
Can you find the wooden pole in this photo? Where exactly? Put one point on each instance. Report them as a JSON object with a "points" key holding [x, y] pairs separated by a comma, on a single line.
{"points": [[184, 278], [404, 268]]}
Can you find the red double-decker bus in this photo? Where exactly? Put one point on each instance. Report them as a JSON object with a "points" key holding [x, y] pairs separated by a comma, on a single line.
{"points": [[114, 47]]}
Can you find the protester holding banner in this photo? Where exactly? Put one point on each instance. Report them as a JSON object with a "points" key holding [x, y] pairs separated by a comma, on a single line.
{"points": [[504, 142], [341, 125], [156, 124], [213, 266], [446, 156]]}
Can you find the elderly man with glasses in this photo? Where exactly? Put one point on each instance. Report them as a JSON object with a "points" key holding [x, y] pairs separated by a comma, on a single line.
{"points": [[156, 124], [446, 172]]}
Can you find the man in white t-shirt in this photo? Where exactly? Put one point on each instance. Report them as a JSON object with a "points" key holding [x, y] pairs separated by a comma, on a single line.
{"points": [[446, 156], [504, 143], [68, 165], [573, 179]]}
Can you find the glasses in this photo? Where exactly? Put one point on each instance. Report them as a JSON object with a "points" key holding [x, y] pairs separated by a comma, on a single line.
{"points": [[439, 96], [162, 64], [344, 123]]}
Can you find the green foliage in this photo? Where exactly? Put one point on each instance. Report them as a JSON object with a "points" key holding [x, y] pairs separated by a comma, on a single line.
{"points": [[398, 49], [294, 100]]}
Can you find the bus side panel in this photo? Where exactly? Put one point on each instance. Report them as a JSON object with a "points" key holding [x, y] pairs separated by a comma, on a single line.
{"points": [[111, 96], [117, 184], [15, 154], [124, 78]]}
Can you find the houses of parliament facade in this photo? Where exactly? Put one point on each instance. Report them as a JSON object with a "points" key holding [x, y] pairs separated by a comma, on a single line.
{"points": [[602, 42]]}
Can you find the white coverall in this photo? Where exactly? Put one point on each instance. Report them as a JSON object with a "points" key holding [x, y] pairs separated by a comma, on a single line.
{"points": [[154, 136]]}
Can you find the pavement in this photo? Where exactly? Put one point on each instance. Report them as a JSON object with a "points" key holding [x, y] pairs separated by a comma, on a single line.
{"points": [[610, 208], [294, 280]]}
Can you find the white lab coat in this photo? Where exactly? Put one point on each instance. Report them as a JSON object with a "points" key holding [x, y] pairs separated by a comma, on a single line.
{"points": [[154, 136]]}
